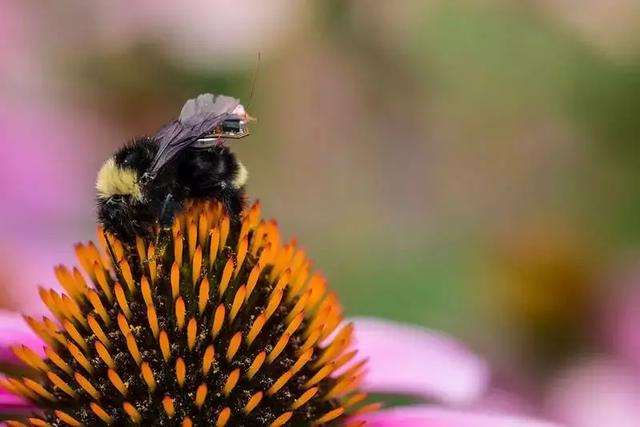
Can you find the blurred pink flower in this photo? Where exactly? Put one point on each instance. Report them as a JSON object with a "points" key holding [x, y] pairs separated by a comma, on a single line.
{"points": [[433, 365], [14, 330], [595, 393], [47, 161], [402, 359], [41, 177], [427, 416], [21, 68], [202, 32], [622, 317], [605, 389]]}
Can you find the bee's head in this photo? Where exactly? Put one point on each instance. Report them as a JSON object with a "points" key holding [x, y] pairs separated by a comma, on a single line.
{"points": [[206, 172], [119, 177]]}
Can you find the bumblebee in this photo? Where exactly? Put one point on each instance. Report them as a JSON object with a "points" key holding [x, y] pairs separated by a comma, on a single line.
{"points": [[146, 182]]}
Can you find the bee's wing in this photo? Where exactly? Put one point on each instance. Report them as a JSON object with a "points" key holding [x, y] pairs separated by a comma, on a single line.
{"points": [[198, 117]]}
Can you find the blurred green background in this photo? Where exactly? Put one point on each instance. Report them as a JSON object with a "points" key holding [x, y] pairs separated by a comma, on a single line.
{"points": [[467, 166]]}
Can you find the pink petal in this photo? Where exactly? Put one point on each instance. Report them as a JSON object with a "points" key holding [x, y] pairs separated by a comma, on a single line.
{"points": [[14, 330], [52, 188], [30, 262], [427, 416], [622, 316], [411, 360], [10, 403], [597, 393]]}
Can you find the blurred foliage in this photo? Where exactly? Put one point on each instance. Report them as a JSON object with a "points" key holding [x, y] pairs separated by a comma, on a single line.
{"points": [[141, 82], [422, 288], [604, 98], [546, 286], [499, 65], [491, 68]]}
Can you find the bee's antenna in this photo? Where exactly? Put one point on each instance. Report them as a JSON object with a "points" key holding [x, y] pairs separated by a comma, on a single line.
{"points": [[253, 81]]}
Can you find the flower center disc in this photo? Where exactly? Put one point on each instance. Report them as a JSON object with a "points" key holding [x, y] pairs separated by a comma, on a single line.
{"points": [[209, 323]]}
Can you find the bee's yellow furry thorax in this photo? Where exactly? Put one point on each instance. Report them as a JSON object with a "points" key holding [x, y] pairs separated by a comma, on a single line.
{"points": [[113, 180]]}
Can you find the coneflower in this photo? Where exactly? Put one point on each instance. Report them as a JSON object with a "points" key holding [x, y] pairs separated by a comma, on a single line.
{"points": [[205, 324]]}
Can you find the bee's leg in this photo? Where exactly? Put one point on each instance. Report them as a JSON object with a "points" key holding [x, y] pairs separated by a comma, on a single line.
{"points": [[233, 203], [169, 208]]}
